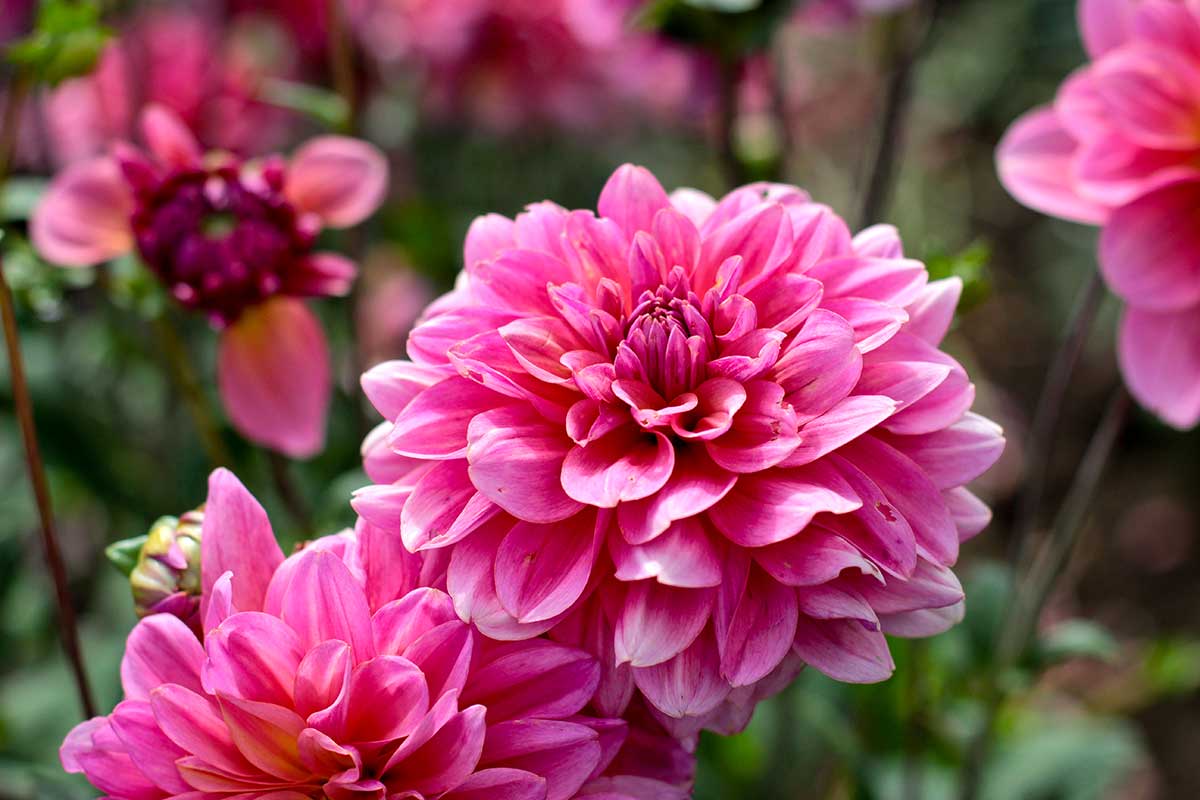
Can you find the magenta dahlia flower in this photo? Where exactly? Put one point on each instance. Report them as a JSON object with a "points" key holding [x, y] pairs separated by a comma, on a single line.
{"points": [[1120, 148], [233, 241], [332, 674], [707, 441]]}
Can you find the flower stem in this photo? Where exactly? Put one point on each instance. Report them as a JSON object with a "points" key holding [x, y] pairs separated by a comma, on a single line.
{"points": [[68, 626], [179, 366], [341, 63], [1046, 417], [289, 493], [1030, 596], [905, 48]]}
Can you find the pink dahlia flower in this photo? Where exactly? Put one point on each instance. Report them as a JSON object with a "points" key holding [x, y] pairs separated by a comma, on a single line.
{"points": [[1120, 148], [233, 241], [330, 674], [708, 441]]}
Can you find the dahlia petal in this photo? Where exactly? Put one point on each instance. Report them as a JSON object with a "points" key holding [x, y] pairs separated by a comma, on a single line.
{"points": [[321, 275], [906, 382], [678, 239], [631, 198], [764, 431], [1150, 94], [748, 357], [220, 602], [564, 753], [399, 623], [239, 664], [1160, 359], [930, 314], [844, 650], [785, 303], [817, 557], [1035, 161], [168, 138], [488, 237], [755, 633], [516, 457], [516, 281], [500, 784], [874, 323], [341, 180], [937, 409], [930, 586], [321, 754], [595, 248], [237, 538], [694, 204], [441, 753], [430, 341], [1175, 26], [323, 677], [486, 359], [274, 376], [1113, 170], [658, 622], [388, 697], [971, 515], [621, 466], [266, 734], [324, 601], [379, 462], [1106, 24], [957, 455], [191, 721], [444, 508], [895, 281], [541, 570], [684, 556], [695, 485], [532, 680], [539, 344], [149, 749], [434, 424], [160, 649], [923, 622], [820, 234], [911, 493], [875, 528], [820, 365], [843, 423], [688, 685], [761, 236], [1148, 251], [382, 505], [83, 218], [879, 241], [100, 756], [776, 505]]}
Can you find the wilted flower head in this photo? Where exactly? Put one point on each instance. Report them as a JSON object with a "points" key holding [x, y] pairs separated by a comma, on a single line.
{"points": [[332, 674], [1120, 147], [711, 438], [234, 241], [166, 577]]}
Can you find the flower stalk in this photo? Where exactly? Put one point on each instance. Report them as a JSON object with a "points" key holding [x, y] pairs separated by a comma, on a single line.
{"points": [[23, 404], [179, 366]]}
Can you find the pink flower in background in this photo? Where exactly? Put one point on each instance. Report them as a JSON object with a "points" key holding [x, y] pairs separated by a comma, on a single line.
{"points": [[329, 675], [391, 296], [233, 241], [510, 63], [707, 441], [1120, 148]]}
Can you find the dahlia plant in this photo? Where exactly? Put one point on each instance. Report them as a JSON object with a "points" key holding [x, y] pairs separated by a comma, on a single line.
{"points": [[339, 673], [708, 441], [1120, 148], [234, 241]]}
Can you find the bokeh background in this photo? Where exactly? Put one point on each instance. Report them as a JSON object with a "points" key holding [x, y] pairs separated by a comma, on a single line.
{"points": [[1104, 706]]}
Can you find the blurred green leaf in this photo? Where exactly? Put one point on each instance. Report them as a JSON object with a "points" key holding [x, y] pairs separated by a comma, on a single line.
{"points": [[730, 29], [320, 104], [20, 197], [1074, 638], [970, 265], [66, 41], [1173, 666]]}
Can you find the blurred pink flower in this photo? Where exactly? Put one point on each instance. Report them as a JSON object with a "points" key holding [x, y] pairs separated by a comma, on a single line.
{"points": [[704, 440], [391, 296], [234, 241], [183, 59], [510, 63], [15, 18], [323, 676], [1120, 147]]}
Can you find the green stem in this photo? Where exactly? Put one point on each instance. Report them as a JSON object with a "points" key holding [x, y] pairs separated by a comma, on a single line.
{"points": [[290, 494], [179, 367]]}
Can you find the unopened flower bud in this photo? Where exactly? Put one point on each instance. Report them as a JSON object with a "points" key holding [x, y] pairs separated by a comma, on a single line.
{"points": [[166, 579]]}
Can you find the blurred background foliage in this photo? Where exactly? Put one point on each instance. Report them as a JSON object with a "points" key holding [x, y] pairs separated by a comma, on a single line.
{"points": [[1103, 706]]}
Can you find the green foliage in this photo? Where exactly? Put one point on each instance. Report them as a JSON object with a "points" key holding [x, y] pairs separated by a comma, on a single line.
{"points": [[970, 265], [124, 554], [730, 29], [319, 104], [1074, 638], [66, 41]]}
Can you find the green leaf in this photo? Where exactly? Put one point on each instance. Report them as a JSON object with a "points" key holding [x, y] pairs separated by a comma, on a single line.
{"points": [[724, 6], [1172, 666], [124, 554], [971, 266], [66, 41], [322, 105], [1075, 638], [20, 197]]}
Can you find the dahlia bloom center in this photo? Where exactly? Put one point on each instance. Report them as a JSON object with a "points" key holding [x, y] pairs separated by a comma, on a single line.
{"points": [[220, 240]]}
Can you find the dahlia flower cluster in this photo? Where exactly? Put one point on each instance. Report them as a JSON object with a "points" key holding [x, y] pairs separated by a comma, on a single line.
{"points": [[707, 441], [1120, 148], [234, 241], [339, 673]]}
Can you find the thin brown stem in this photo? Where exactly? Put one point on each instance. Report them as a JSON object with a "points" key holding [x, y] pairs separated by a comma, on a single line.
{"points": [[68, 625], [179, 367], [341, 63], [1034, 590], [905, 48]]}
